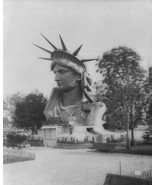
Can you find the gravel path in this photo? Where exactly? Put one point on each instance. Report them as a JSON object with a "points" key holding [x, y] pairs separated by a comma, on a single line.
{"points": [[71, 167]]}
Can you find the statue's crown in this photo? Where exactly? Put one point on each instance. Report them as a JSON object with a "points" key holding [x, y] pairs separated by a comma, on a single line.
{"points": [[63, 56]]}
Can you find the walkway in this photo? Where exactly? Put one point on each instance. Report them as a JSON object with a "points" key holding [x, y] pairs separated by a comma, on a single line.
{"points": [[71, 167]]}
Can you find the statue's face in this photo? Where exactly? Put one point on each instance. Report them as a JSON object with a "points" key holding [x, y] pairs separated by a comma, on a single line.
{"points": [[66, 79]]}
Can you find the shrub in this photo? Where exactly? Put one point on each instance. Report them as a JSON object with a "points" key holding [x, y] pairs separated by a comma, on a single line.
{"points": [[147, 137], [11, 155], [15, 139]]}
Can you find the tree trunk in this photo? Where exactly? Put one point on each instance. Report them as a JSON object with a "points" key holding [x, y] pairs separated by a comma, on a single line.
{"points": [[33, 131], [132, 136], [128, 122], [132, 127]]}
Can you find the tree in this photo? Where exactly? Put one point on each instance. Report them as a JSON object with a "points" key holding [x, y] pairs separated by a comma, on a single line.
{"points": [[9, 104], [123, 79], [148, 98], [29, 111]]}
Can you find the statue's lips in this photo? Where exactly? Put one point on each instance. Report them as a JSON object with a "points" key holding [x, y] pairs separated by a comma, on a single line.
{"points": [[59, 84]]}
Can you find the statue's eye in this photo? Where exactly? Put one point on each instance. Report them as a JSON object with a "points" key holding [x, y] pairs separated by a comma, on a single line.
{"points": [[63, 71]]}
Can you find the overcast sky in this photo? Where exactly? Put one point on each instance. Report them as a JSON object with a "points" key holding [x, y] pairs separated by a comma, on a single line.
{"points": [[98, 25]]}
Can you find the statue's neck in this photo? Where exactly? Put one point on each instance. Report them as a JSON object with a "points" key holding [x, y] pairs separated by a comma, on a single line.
{"points": [[72, 97]]}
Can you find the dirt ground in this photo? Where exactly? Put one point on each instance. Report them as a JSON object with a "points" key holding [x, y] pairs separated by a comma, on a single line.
{"points": [[71, 167]]}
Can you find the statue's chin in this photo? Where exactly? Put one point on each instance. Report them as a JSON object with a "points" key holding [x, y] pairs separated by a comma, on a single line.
{"points": [[67, 89]]}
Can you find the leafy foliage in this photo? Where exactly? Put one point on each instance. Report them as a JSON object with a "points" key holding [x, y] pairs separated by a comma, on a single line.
{"points": [[9, 104], [123, 79], [148, 100], [15, 139], [6, 122], [147, 136], [29, 111]]}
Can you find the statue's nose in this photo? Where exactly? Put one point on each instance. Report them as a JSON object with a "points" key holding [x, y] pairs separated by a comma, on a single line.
{"points": [[57, 77]]}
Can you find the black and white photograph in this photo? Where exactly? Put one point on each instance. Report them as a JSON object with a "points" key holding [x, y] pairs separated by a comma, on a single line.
{"points": [[77, 92]]}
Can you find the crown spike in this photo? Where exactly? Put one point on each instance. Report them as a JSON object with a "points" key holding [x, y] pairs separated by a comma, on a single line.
{"points": [[43, 49], [87, 60], [49, 41], [44, 58], [77, 51], [63, 45]]}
